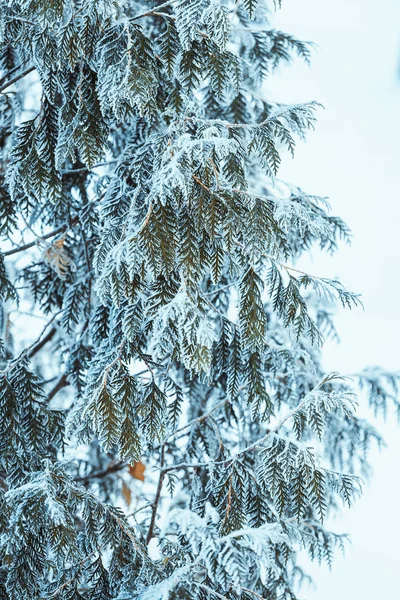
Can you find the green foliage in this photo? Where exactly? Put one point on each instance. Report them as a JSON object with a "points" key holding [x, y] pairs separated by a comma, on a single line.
{"points": [[178, 372]]}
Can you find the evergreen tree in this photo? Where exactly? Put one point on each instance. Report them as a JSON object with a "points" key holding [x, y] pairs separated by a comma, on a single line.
{"points": [[140, 216]]}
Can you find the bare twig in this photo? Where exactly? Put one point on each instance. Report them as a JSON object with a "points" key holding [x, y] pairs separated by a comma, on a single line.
{"points": [[37, 342], [157, 497], [9, 74], [51, 234], [254, 593], [61, 383], [113, 468], [37, 347], [144, 507], [83, 169], [7, 84], [221, 289]]}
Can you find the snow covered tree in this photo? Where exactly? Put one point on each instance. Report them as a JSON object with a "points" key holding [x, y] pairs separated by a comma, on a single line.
{"points": [[170, 431]]}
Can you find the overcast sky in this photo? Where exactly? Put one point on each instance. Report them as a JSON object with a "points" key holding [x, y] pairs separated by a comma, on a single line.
{"points": [[353, 157]]}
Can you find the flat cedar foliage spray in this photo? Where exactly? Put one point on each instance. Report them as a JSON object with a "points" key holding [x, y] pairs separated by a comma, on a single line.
{"points": [[142, 221]]}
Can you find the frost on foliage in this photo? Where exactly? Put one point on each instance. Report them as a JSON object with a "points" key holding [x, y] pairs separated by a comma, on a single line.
{"points": [[166, 428], [230, 558], [195, 338]]}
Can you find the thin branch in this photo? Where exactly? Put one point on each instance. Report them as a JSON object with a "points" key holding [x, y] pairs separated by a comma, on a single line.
{"points": [[221, 289], [199, 419], [83, 169], [23, 20], [132, 514], [254, 593], [113, 468], [60, 229], [282, 265], [287, 268], [215, 172], [51, 234], [89, 267], [116, 360], [47, 338], [229, 501], [26, 351], [73, 579], [9, 74], [39, 339], [154, 11], [194, 465], [203, 185], [210, 590], [27, 314], [16, 78], [157, 497], [61, 383], [257, 444], [47, 381]]}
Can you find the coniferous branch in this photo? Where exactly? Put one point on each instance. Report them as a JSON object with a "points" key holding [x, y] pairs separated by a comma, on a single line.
{"points": [[187, 338]]}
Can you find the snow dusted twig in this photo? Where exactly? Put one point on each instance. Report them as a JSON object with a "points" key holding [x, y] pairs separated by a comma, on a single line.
{"points": [[199, 419], [154, 11]]}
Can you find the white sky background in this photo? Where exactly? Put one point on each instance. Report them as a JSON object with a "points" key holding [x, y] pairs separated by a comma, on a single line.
{"points": [[353, 157]]}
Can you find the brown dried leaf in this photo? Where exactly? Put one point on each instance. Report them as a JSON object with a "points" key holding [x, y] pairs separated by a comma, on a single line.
{"points": [[127, 494], [57, 257], [137, 470]]}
